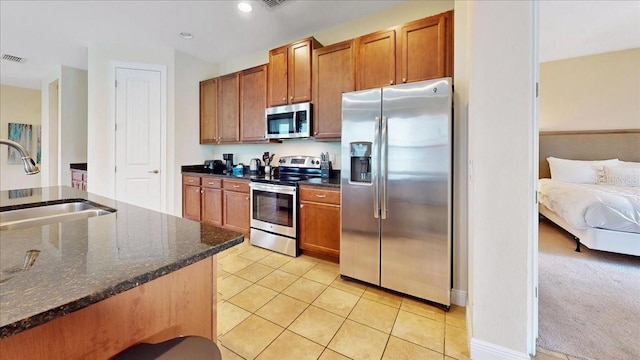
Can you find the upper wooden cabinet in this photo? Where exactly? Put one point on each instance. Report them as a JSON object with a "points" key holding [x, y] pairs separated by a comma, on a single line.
{"points": [[209, 111], [333, 74], [376, 59], [425, 49], [289, 74], [419, 50], [229, 108], [253, 100]]}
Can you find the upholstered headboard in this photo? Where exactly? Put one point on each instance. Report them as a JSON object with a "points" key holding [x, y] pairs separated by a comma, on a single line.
{"points": [[588, 145]]}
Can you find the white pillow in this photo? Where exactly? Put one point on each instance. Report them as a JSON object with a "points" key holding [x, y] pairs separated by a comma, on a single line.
{"points": [[578, 171], [623, 174]]}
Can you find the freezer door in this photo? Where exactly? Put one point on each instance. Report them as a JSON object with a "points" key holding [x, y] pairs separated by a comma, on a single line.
{"points": [[360, 224], [416, 208]]}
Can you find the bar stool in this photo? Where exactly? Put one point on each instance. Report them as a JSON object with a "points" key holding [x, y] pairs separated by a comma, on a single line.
{"points": [[187, 347]]}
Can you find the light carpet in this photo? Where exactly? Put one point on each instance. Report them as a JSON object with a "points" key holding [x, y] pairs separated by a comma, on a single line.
{"points": [[589, 302]]}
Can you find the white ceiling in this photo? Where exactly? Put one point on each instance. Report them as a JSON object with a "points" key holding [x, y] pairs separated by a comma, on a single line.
{"points": [[53, 33]]}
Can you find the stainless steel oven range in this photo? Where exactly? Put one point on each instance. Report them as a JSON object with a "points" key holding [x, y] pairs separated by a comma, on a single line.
{"points": [[274, 204]]}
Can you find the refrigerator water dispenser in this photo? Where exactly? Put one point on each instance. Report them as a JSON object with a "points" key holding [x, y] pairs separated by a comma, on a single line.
{"points": [[361, 162]]}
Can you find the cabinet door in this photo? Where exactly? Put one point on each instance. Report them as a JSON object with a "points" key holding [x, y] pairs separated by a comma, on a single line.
{"points": [[320, 228], [236, 211], [376, 62], [277, 76], [333, 74], [253, 99], [208, 111], [299, 71], [229, 108], [422, 49], [191, 202], [212, 206]]}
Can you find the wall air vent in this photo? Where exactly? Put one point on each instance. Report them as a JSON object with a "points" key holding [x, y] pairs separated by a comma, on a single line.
{"points": [[273, 3], [13, 58]]}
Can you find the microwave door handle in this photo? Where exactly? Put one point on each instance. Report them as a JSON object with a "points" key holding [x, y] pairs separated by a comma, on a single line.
{"points": [[295, 122]]}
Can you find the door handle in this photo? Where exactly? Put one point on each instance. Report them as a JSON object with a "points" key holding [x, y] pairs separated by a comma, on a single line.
{"points": [[153, 171], [321, 196], [374, 168], [384, 166]]}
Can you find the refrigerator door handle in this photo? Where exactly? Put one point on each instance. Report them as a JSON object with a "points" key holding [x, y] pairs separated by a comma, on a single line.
{"points": [[374, 168], [383, 167]]}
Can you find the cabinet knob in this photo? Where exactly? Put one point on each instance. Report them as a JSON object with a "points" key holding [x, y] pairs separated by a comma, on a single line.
{"points": [[291, 98], [404, 80], [284, 99], [201, 191], [246, 198], [301, 206], [390, 82]]}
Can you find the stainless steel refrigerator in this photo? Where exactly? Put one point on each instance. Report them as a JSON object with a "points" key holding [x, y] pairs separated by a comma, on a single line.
{"points": [[396, 180]]}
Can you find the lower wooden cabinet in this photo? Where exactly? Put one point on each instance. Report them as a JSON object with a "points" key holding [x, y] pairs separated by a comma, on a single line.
{"points": [[217, 201], [320, 222], [236, 206]]}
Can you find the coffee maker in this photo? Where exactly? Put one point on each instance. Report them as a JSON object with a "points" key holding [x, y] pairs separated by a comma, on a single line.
{"points": [[228, 158]]}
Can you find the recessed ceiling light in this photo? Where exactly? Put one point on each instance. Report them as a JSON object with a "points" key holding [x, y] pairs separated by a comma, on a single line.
{"points": [[244, 7], [186, 35]]}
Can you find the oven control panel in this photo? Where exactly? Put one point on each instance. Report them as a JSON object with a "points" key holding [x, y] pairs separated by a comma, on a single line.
{"points": [[300, 161]]}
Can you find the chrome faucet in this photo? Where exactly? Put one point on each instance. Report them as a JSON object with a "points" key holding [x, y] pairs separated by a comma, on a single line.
{"points": [[30, 166]]}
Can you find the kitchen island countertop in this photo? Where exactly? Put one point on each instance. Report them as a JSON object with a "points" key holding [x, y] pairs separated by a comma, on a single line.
{"points": [[85, 261]]}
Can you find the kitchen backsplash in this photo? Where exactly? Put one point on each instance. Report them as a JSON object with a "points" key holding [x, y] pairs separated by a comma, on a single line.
{"points": [[243, 153]]}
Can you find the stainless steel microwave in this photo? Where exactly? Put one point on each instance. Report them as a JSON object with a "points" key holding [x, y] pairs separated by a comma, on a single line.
{"points": [[288, 121]]}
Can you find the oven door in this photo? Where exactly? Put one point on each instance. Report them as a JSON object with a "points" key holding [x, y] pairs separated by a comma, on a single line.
{"points": [[273, 208]]}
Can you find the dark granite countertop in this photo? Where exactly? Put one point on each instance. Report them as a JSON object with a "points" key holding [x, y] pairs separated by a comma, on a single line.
{"points": [[332, 182], [78, 166], [85, 261]]}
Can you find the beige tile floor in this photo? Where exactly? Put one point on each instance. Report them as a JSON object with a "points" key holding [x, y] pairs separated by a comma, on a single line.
{"points": [[271, 306]]}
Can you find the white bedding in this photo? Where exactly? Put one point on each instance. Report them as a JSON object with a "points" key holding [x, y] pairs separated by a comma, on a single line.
{"points": [[597, 206]]}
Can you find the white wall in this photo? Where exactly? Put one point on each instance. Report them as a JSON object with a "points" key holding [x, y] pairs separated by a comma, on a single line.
{"points": [[18, 105], [73, 120], [184, 133], [64, 124], [594, 92], [501, 186]]}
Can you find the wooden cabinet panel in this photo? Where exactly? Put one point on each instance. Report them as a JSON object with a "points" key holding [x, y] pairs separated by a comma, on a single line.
{"points": [[208, 111], [191, 202], [299, 71], [277, 76], [289, 72], [229, 108], [211, 182], [253, 96], [320, 222], [236, 185], [212, 206], [376, 61], [333, 74], [422, 49], [236, 211]]}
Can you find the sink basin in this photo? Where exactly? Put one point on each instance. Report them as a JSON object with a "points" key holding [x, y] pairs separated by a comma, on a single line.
{"points": [[46, 213]]}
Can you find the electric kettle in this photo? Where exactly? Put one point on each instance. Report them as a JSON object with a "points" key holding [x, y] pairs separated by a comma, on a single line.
{"points": [[254, 166]]}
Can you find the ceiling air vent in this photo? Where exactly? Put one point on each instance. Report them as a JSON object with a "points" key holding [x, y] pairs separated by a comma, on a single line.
{"points": [[273, 3], [13, 58]]}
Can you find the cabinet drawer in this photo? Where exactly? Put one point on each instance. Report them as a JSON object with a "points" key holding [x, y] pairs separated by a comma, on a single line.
{"points": [[320, 195], [191, 180], [239, 186], [210, 182]]}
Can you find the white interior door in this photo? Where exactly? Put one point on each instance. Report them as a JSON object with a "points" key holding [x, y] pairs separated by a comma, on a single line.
{"points": [[138, 137]]}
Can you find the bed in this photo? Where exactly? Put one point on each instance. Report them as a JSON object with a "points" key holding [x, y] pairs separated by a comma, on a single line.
{"points": [[594, 193]]}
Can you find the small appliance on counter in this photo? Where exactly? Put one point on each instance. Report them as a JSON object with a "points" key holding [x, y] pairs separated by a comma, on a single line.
{"points": [[325, 166], [215, 166], [267, 163], [228, 158], [254, 166]]}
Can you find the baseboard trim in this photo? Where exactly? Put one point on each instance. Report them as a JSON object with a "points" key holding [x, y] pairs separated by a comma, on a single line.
{"points": [[482, 350], [459, 297]]}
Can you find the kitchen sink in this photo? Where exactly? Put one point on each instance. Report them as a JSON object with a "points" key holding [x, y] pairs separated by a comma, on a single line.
{"points": [[38, 214]]}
